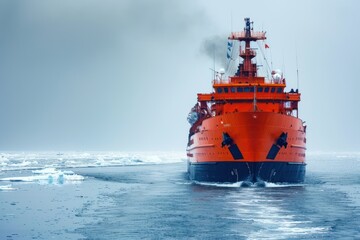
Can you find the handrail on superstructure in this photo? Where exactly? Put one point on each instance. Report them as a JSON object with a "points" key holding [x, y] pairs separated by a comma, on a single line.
{"points": [[241, 36]]}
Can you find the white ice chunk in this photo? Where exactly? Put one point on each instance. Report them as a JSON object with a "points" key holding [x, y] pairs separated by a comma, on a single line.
{"points": [[47, 176], [7, 188]]}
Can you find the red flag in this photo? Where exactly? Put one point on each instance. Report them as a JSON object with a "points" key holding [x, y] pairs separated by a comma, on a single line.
{"points": [[266, 46]]}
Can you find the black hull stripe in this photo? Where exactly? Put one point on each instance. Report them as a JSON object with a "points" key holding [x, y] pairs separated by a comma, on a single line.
{"points": [[247, 171], [235, 152]]}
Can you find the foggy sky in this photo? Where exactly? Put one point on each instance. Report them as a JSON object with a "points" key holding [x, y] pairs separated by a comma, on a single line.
{"points": [[123, 75]]}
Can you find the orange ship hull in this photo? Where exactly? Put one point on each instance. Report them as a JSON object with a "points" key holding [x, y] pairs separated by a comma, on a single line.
{"points": [[248, 146]]}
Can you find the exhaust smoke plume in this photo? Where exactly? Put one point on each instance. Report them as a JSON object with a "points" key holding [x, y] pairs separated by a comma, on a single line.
{"points": [[215, 48]]}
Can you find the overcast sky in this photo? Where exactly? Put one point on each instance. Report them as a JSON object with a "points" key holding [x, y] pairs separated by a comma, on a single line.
{"points": [[123, 75]]}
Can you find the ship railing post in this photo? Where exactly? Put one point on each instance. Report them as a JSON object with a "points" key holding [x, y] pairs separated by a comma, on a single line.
{"points": [[254, 98]]}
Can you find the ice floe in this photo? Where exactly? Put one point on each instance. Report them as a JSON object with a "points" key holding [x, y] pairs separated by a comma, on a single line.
{"points": [[6, 188], [47, 176], [35, 160]]}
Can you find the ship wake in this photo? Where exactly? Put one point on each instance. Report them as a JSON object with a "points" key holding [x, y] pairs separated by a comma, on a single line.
{"points": [[248, 184]]}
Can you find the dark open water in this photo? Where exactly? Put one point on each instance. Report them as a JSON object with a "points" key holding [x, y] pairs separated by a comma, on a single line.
{"points": [[158, 202]]}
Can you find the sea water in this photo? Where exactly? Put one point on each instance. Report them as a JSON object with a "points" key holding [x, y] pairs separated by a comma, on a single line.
{"points": [[102, 195]]}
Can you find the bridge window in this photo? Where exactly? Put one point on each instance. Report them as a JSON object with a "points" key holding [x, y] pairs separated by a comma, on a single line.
{"points": [[226, 90], [240, 89], [219, 90], [246, 89], [260, 89], [272, 89], [266, 89], [233, 89], [279, 90]]}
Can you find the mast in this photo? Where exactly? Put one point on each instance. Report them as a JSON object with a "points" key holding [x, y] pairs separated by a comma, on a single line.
{"points": [[247, 68]]}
